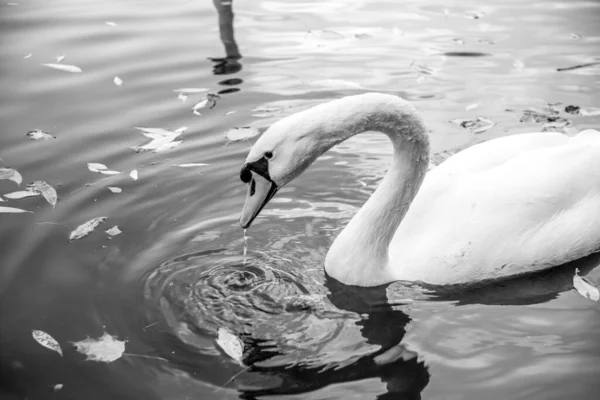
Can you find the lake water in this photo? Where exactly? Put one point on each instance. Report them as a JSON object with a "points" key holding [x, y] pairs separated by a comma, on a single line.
{"points": [[177, 272]]}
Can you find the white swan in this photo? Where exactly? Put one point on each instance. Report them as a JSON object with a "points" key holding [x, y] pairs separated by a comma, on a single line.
{"points": [[509, 206]]}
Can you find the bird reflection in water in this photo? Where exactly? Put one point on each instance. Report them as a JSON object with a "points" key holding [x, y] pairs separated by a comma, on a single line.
{"points": [[405, 377], [229, 64]]}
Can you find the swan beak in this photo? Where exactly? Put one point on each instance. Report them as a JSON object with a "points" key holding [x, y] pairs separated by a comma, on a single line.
{"points": [[260, 191]]}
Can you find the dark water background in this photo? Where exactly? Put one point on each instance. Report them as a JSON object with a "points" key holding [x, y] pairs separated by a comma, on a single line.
{"points": [[177, 273]]}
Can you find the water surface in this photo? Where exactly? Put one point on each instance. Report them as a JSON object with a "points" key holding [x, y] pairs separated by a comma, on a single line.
{"points": [[178, 272]]}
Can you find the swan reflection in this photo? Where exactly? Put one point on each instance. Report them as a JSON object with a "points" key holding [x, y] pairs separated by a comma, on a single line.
{"points": [[379, 324]]}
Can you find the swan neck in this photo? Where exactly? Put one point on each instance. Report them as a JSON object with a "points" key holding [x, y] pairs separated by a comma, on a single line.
{"points": [[360, 253]]}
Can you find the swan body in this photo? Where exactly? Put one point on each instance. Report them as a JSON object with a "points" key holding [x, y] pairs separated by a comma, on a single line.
{"points": [[505, 207]]}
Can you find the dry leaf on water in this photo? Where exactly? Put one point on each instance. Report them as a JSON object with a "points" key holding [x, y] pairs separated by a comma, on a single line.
{"points": [[231, 344], [64, 67], [46, 340], [115, 189], [134, 175], [38, 134], [162, 139], [242, 133], [190, 165], [585, 288], [477, 125], [168, 146], [12, 210], [11, 174], [101, 168], [209, 101], [114, 231], [21, 194], [585, 111], [191, 90], [104, 349], [45, 190], [85, 229], [96, 167]]}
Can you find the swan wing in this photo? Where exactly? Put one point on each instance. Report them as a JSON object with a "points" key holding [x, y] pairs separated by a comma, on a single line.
{"points": [[505, 207]]}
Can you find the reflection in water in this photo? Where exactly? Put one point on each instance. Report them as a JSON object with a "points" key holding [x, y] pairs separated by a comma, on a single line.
{"points": [[230, 63], [404, 376], [295, 340], [535, 288]]}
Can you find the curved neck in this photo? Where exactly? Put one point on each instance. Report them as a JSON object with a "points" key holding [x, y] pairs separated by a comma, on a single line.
{"points": [[359, 254]]}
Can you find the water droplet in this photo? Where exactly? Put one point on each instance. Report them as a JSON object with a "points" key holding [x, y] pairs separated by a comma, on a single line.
{"points": [[245, 246]]}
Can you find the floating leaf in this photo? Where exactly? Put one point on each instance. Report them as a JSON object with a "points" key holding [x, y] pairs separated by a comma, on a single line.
{"points": [[46, 340], [162, 139], [104, 349], [191, 90], [200, 105], [167, 146], [38, 134], [242, 133], [45, 190], [210, 101], [231, 344], [134, 175], [85, 229], [13, 210], [477, 125], [60, 58], [11, 175], [190, 165], [118, 81], [483, 124], [561, 125], [96, 167], [64, 67], [585, 288], [115, 189], [114, 231], [586, 111], [109, 172], [21, 194]]}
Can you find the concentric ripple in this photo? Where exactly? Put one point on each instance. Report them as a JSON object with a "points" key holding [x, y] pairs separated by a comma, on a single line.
{"points": [[282, 314]]}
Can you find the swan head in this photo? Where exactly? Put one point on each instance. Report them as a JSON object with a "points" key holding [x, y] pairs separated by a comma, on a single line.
{"points": [[282, 153]]}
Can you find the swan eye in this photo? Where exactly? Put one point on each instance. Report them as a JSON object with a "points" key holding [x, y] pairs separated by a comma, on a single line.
{"points": [[268, 155]]}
